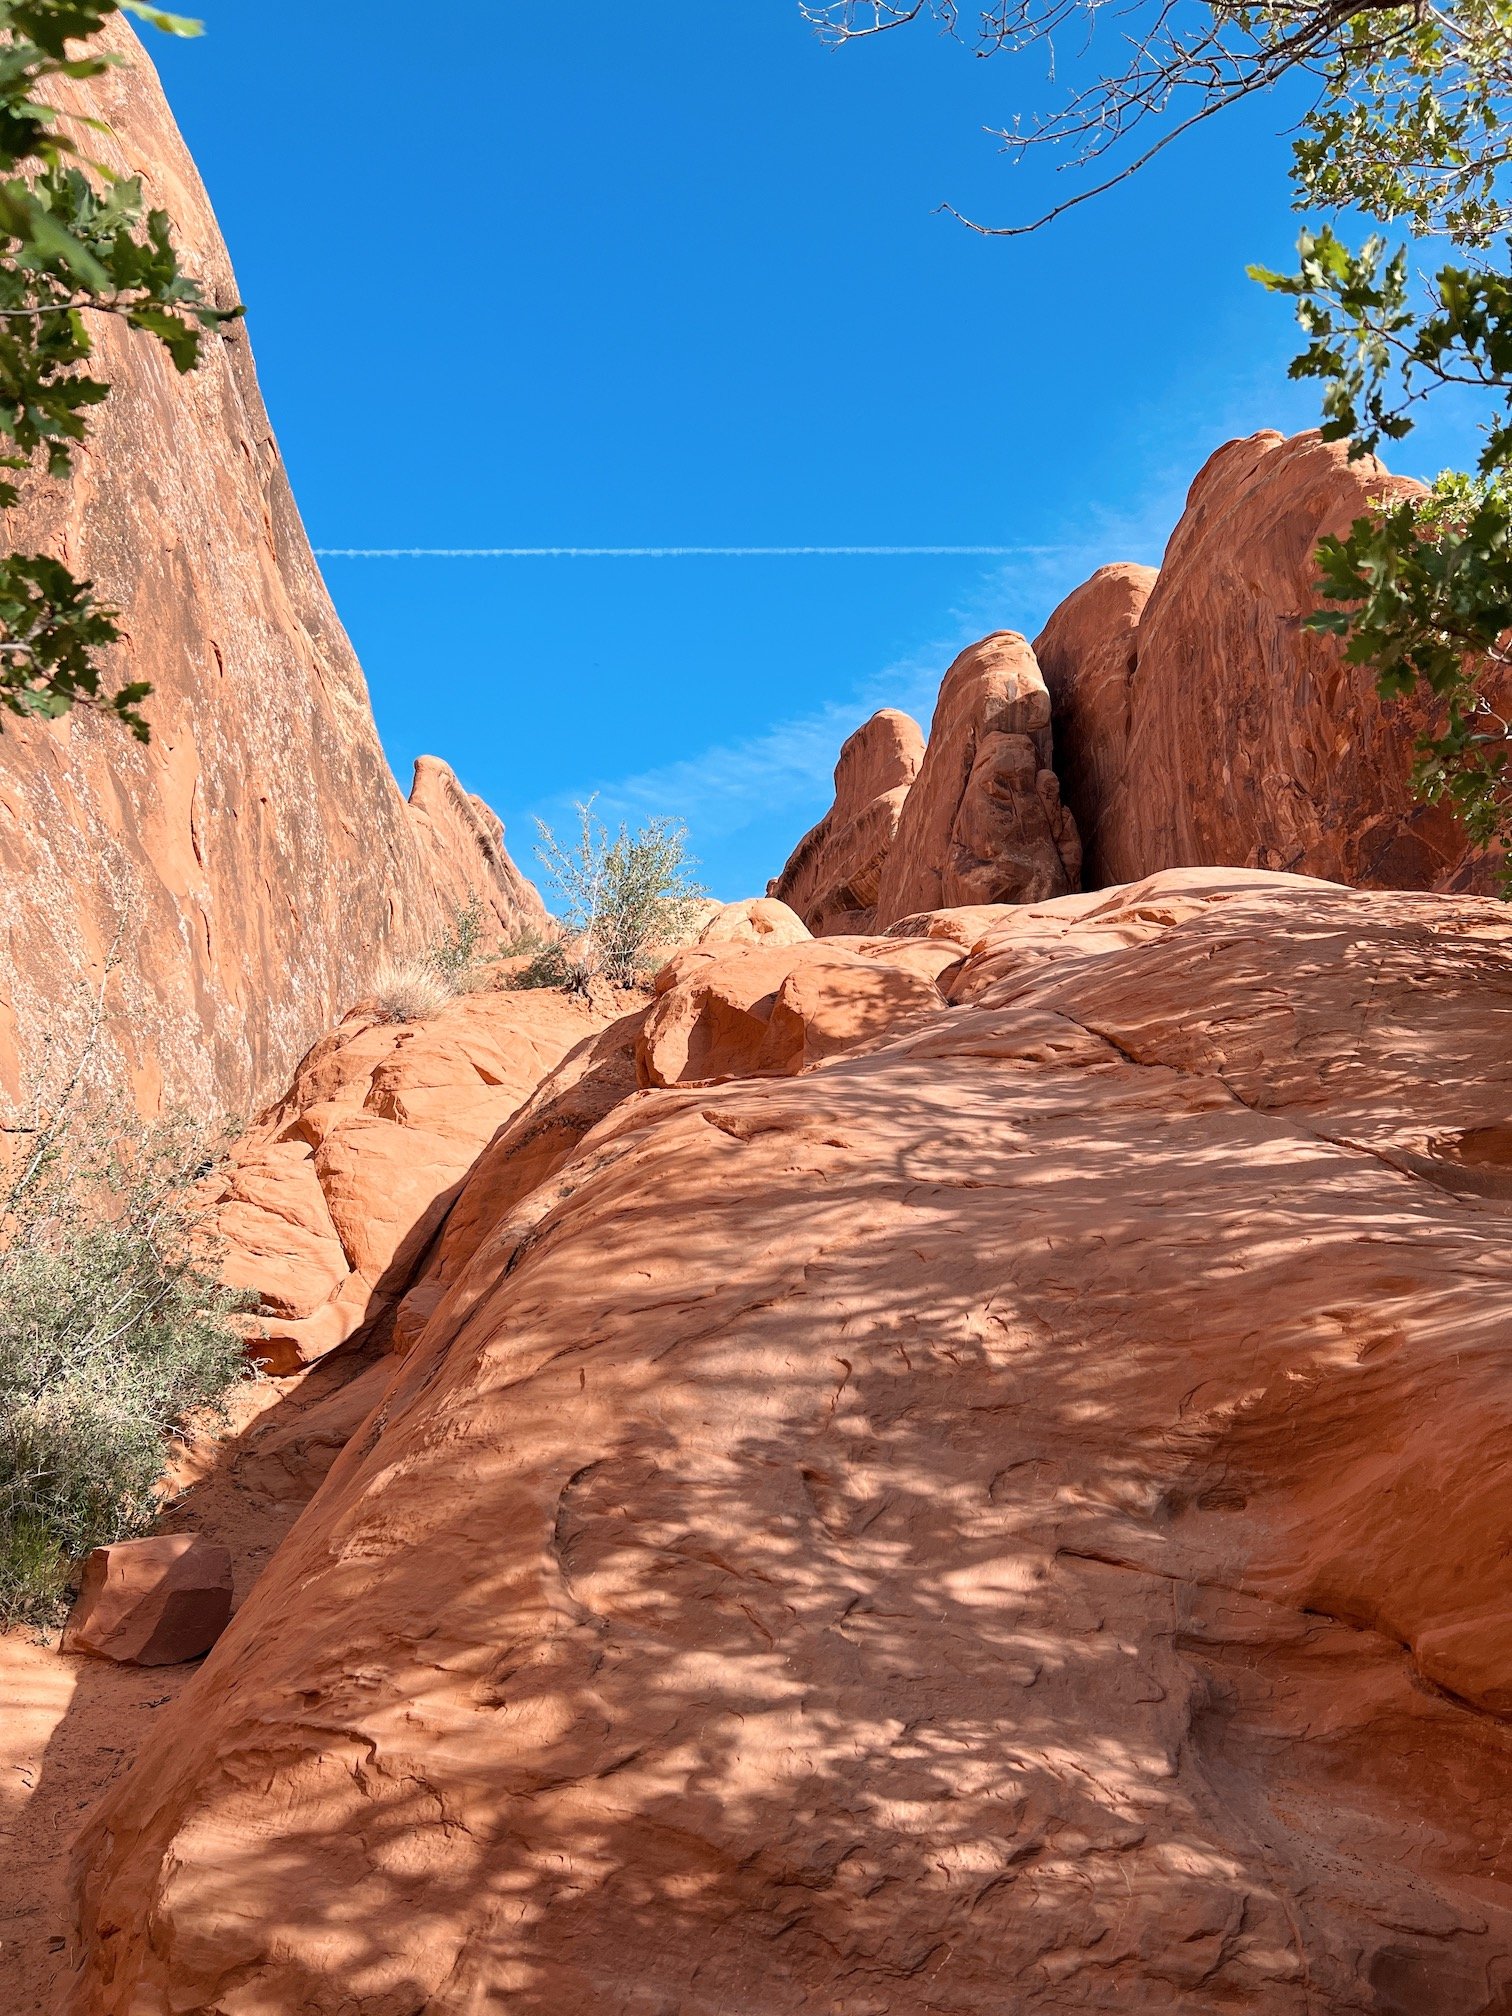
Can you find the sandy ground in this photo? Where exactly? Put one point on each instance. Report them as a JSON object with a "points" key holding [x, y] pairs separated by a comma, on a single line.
{"points": [[69, 1724]]}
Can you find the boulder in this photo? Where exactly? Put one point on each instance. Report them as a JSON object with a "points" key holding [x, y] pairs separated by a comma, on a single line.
{"points": [[1012, 1519], [832, 876], [234, 883], [759, 920], [745, 1010], [151, 1602], [1197, 722], [983, 821]]}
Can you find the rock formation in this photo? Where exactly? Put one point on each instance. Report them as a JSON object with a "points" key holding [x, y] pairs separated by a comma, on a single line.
{"points": [[833, 874], [983, 821], [977, 818], [1009, 1516], [251, 864], [329, 1204], [1193, 721], [1197, 721]]}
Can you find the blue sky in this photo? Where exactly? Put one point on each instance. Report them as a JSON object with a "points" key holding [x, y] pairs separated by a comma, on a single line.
{"points": [[652, 275]]}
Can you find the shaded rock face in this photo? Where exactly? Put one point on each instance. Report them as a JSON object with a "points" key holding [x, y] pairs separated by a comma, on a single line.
{"points": [[833, 874], [153, 1602], [1011, 1517], [251, 865], [1197, 721], [983, 821], [1087, 654]]}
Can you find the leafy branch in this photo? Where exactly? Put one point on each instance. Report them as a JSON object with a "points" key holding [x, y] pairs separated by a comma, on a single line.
{"points": [[75, 239]]}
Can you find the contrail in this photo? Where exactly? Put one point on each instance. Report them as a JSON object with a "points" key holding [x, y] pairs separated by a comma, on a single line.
{"points": [[674, 552]]}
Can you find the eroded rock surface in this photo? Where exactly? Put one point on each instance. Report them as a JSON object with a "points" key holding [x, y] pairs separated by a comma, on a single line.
{"points": [[832, 876], [328, 1206], [248, 868], [983, 821], [1198, 722], [1009, 1518]]}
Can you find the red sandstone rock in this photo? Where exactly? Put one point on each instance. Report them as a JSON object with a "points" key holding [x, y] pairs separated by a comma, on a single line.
{"points": [[1197, 722], [1087, 655], [331, 1202], [1010, 1520], [739, 1011], [151, 1602], [523, 1157], [983, 821], [257, 859], [832, 875], [760, 920]]}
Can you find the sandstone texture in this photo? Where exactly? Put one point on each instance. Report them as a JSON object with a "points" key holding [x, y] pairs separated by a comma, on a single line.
{"points": [[327, 1208], [243, 874], [153, 1602], [1010, 1518], [743, 1012], [983, 821], [833, 874], [1197, 721]]}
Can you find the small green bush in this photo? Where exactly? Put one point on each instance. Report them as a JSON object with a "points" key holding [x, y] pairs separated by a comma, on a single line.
{"points": [[112, 1332], [458, 953], [550, 967], [622, 898]]}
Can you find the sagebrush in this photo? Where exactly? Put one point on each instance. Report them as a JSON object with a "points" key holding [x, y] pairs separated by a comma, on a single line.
{"points": [[113, 1332], [622, 897]]}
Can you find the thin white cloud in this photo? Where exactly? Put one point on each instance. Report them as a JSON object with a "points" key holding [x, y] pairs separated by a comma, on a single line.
{"points": [[785, 770]]}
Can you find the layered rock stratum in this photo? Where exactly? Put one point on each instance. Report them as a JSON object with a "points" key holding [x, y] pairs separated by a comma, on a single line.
{"points": [[1006, 1516], [242, 875]]}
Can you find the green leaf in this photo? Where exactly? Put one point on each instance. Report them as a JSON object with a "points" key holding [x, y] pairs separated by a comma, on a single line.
{"points": [[170, 24]]}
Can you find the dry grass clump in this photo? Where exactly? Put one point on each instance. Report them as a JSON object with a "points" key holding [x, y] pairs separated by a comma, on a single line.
{"points": [[407, 990]]}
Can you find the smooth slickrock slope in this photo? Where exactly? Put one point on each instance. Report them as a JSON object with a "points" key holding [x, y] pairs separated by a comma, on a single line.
{"points": [[250, 866], [1011, 1520], [1197, 721]]}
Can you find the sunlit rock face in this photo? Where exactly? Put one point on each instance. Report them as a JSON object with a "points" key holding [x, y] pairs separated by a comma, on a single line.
{"points": [[325, 1211], [1198, 721], [1011, 1517], [833, 874], [983, 821], [242, 875]]}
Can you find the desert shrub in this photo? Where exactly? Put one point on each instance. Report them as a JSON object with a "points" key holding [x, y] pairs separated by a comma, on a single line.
{"points": [[551, 966], [622, 897], [112, 1332], [407, 990], [458, 953]]}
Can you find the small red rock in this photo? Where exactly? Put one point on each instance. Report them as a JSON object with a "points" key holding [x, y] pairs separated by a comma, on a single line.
{"points": [[152, 1602]]}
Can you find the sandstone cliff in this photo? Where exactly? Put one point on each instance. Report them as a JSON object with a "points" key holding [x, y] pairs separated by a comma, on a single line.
{"points": [[253, 863], [1009, 1516], [1197, 721]]}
